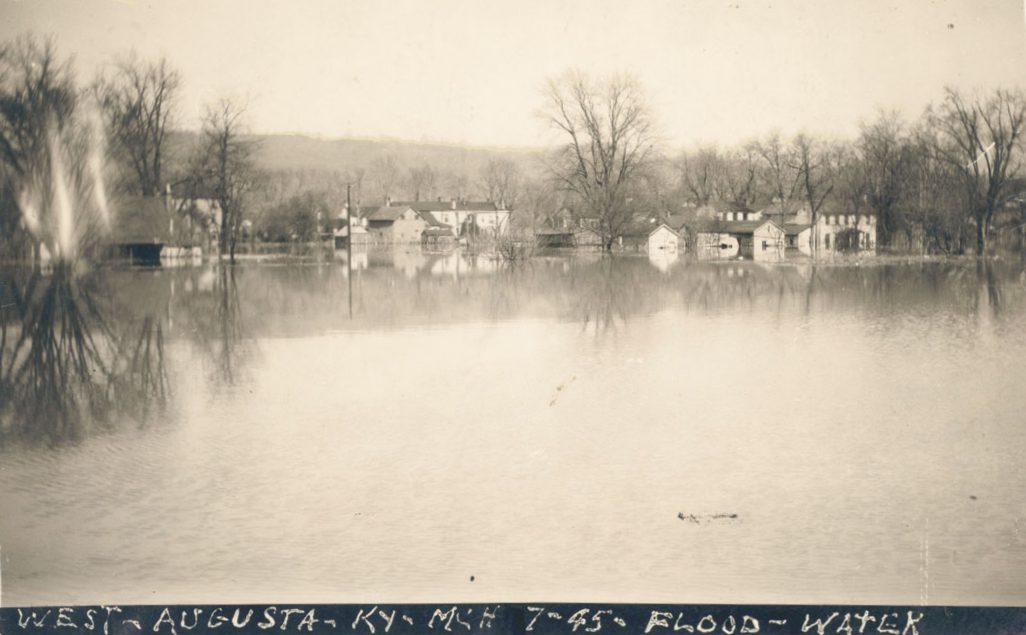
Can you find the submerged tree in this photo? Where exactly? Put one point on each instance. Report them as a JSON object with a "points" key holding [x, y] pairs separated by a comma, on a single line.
{"points": [[608, 140]]}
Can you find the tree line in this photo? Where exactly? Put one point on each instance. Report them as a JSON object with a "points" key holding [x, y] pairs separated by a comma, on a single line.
{"points": [[950, 181]]}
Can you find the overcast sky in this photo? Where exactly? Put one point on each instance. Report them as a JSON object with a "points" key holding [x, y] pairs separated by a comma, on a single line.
{"points": [[472, 71]]}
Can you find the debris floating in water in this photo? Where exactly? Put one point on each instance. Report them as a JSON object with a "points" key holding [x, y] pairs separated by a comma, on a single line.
{"points": [[698, 520]]}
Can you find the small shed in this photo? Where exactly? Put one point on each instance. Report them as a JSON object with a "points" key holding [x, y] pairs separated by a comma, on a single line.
{"points": [[360, 235], [664, 238], [142, 227]]}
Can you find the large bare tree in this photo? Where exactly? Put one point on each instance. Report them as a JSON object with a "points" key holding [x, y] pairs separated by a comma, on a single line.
{"points": [[607, 138], [814, 164], [502, 181], [882, 170], [226, 167], [982, 137], [777, 171], [138, 100]]}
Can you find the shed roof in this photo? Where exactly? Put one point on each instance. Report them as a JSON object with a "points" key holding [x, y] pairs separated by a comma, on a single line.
{"points": [[141, 221]]}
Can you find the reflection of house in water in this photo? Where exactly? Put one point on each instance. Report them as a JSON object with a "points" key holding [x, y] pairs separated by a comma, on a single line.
{"points": [[663, 260], [360, 257]]}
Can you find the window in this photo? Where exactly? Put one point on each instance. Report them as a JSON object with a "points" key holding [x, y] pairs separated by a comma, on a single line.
{"points": [[730, 215], [765, 245], [828, 241]]}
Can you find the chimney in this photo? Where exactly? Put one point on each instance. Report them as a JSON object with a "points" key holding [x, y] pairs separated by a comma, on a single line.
{"points": [[388, 201]]}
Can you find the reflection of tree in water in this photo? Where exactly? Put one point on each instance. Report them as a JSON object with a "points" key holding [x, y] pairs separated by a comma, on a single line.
{"points": [[605, 292], [64, 370], [215, 320]]}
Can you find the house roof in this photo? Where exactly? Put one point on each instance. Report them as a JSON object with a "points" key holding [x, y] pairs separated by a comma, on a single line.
{"points": [[387, 213], [141, 221], [783, 208], [660, 226], [448, 206], [728, 206], [730, 226], [793, 229]]}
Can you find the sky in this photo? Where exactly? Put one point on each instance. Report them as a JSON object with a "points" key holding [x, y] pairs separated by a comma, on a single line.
{"points": [[472, 72]]}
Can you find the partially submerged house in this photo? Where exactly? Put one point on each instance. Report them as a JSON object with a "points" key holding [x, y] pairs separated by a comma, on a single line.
{"points": [[392, 224], [465, 218], [664, 238], [756, 239], [727, 211]]}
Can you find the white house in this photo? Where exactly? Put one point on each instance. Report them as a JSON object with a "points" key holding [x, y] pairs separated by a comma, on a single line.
{"points": [[758, 239], [664, 238]]}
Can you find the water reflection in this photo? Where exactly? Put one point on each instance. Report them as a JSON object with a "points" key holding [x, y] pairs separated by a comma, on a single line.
{"points": [[81, 351], [66, 366]]}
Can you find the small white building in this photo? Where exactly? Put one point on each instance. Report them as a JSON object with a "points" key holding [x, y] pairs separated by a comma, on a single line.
{"points": [[664, 239]]}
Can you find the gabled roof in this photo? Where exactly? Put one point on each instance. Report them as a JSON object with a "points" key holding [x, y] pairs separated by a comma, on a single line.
{"points": [[385, 213], [793, 229], [730, 226], [660, 226]]}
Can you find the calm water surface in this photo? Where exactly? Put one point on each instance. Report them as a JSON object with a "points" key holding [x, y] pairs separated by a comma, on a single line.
{"points": [[574, 428]]}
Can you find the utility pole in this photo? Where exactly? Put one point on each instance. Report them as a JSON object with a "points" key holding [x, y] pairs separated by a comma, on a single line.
{"points": [[349, 247]]}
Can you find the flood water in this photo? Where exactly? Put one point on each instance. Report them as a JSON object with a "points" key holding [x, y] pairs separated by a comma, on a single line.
{"points": [[570, 428]]}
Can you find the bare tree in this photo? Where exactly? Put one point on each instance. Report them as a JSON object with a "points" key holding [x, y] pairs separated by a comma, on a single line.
{"points": [[227, 167], [38, 100], [882, 169], [982, 137], [701, 174], [608, 140], [778, 172], [386, 172], [741, 174], [502, 181], [813, 164], [423, 181], [139, 101]]}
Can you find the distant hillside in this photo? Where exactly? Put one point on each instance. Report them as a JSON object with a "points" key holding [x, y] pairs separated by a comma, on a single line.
{"points": [[301, 152]]}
